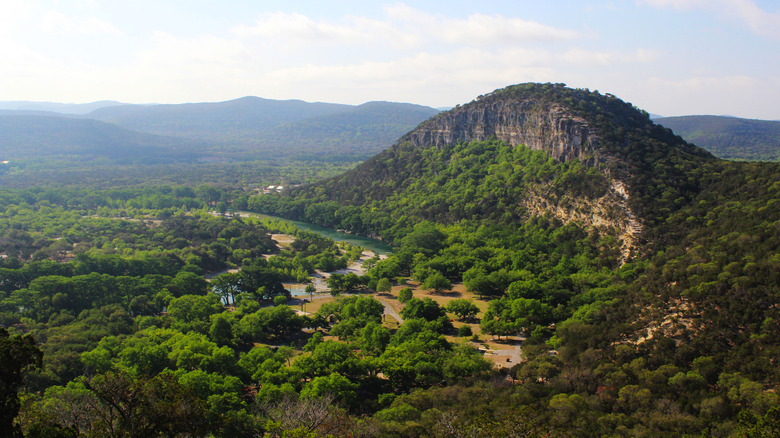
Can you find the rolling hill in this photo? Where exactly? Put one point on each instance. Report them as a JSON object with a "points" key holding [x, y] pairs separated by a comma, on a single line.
{"points": [[256, 128], [731, 138], [234, 121], [28, 136], [316, 137]]}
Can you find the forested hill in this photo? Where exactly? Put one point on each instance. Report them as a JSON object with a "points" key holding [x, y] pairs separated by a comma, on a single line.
{"points": [[537, 149], [731, 138]]}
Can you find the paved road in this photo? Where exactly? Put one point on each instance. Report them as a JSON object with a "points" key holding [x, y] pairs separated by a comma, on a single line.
{"points": [[515, 354]]}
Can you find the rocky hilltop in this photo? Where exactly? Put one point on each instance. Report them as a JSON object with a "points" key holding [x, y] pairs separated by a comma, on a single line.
{"points": [[521, 120]]}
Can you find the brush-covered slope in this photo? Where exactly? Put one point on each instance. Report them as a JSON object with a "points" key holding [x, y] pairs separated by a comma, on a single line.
{"points": [[523, 151], [27, 136], [731, 138]]}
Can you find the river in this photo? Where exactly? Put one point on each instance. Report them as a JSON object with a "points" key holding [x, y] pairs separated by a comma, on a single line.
{"points": [[377, 246]]}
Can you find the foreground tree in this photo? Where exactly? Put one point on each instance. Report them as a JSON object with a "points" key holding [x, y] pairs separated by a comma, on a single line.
{"points": [[17, 355], [118, 405]]}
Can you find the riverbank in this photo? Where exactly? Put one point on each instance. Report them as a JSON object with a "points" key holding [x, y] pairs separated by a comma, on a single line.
{"points": [[375, 245]]}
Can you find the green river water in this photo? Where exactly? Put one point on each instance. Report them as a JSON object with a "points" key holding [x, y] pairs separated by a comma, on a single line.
{"points": [[368, 243]]}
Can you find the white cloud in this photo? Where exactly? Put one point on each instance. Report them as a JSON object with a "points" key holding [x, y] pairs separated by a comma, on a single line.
{"points": [[294, 25], [484, 29], [479, 29], [14, 16], [737, 84], [189, 52], [579, 56], [747, 12], [293, 28], [421, 77], [403, 54], [57, 22], [20, 62], [677, 4], [403, 27]]}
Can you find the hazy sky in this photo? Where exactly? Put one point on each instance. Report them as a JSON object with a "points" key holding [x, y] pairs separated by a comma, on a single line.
{"points": [[669, 57]]}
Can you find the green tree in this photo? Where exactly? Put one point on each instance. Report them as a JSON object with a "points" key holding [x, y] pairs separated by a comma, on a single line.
{"points": [[462, 307], [405, 295], [192, 312], [17, 355], [383, 285], [437, 282], [465, 331], [426, 309], [310, 289], [343, 390], [221, 330], [115, 404], [227, 286]]}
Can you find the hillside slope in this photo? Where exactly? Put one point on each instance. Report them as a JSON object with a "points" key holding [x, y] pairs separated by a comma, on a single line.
{"points": [[731, 138], [603, 164]]}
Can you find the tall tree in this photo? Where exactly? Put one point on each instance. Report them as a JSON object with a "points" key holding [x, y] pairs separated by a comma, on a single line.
{"points": [[17, 354]]}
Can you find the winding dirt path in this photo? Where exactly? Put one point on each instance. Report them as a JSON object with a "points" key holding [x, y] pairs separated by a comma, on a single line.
{"points": [[389, 310]]}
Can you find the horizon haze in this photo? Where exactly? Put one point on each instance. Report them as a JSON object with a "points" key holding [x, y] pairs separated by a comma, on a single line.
{"points": [[666, 57]]}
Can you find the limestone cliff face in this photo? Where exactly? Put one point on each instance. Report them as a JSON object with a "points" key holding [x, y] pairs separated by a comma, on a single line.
{"points": [[540, 126], [608, 214]]}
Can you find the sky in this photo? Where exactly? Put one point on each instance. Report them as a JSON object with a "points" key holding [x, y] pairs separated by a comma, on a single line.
{"points": [[669, 57]]}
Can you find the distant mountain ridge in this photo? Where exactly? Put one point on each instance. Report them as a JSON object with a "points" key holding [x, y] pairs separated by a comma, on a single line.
{"points": [[731, 138], [257, 127], [239, 120], [245, 129], [361, 131], [60, 108], [32, 136]]}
